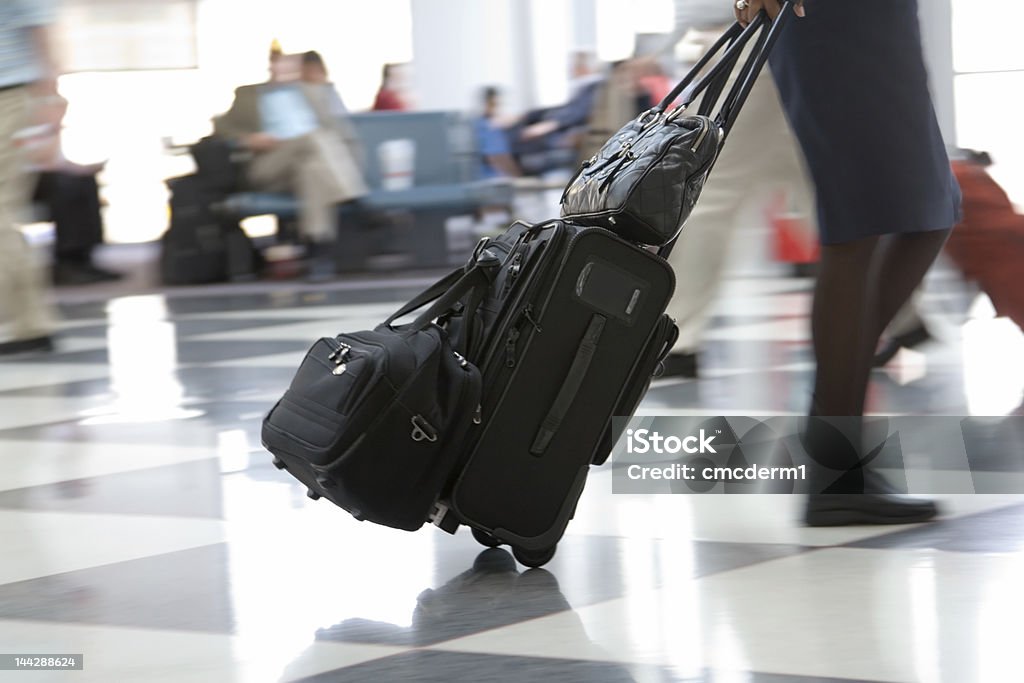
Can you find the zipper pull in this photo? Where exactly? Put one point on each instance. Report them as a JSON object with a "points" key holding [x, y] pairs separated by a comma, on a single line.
{"points": [[627, 157], [463, 363], [340, 358], [528, 314], [478, 415]]}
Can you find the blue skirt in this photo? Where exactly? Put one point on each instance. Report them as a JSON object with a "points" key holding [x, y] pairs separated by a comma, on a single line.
{"points": [[852, 80]]}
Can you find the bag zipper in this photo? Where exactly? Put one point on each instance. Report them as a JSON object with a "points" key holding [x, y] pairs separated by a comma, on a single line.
{"points": [[611, 213], [629, 155], [510, 331]]}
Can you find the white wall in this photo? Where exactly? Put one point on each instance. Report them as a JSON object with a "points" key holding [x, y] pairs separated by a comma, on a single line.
{"points": [[355, 38], [521, 46]]}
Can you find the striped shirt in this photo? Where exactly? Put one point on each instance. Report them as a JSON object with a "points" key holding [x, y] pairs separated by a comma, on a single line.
{"points": [[18, 60]]}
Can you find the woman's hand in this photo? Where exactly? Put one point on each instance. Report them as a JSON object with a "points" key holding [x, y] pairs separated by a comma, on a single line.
{"points": [[746, 10]]}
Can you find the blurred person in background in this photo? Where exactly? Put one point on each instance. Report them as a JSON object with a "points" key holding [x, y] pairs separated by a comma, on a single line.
{"points": [[653, 79], [27, 70], [492, 140], [546, 139], [301, 142], [987, 247], [71, 195], [762, 157], [906, 331], [887, 202], [618, 99], [391, 95]]}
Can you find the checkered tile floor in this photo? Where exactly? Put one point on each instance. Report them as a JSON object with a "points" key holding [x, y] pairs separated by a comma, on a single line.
{"points": [[142, 526]]}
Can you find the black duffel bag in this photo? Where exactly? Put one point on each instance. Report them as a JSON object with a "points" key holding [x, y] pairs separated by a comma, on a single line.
{"points": [[646, 179], [372, 420]]}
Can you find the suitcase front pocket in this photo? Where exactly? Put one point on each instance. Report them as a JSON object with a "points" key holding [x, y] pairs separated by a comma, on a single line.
{"points": [[395, 471]]}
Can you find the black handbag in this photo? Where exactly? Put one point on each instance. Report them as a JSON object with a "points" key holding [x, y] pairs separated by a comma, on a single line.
{"points": [[372, 420], [646, 179]]}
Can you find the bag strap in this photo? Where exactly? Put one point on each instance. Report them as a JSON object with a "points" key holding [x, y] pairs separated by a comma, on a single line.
{"points": [[444, 294], [427, 295], [726, 38], [475, 282], [731, 45], [770, 32], [737, 38]]}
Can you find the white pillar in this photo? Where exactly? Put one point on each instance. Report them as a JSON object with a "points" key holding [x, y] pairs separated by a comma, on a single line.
{"points": [[459, 46]]}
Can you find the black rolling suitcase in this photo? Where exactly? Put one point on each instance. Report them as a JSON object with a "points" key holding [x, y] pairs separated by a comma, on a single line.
{"points": [[576, 328], [560, 326], [581, 333]]}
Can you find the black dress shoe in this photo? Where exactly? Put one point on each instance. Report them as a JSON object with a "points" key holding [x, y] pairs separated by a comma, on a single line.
{"points": [[680, 365], [857, 509], [34, 345], [72, 274], [917, 336]]}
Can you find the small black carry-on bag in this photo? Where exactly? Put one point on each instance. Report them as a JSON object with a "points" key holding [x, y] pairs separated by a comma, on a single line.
{"points": [[489, 408]]}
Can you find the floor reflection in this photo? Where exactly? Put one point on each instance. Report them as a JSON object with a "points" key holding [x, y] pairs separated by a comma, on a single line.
{"points": [[494, 591]]}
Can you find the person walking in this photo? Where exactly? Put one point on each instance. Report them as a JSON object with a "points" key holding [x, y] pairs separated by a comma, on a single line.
{"points": [[27, 70], [852, 80]]}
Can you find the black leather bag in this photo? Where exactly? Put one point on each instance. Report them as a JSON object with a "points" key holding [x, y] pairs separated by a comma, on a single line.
{"points": [[372, 420], [646, 179]]}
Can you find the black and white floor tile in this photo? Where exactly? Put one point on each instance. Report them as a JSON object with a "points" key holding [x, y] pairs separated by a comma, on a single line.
{"points": [[143, 526]]}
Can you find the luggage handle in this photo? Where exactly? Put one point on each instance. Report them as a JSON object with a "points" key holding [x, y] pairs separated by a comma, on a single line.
{"points": [[571, 387], [734, 101], [770, 32], [429, 294], [445, 293], [731, 44]]}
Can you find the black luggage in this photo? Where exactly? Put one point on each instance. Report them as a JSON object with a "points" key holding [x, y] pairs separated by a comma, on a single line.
{"points": [[576, 329], [200, 246], [370, 417], [581, 330], [219, 164], [566, 326]]}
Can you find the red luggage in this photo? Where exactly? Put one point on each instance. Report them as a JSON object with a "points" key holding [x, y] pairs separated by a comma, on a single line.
{"points": [[988, 246]]}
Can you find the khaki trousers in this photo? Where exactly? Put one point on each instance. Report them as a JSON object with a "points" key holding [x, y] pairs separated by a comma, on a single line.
{"points": [[760, 154], [25, 311], [321, 170]]}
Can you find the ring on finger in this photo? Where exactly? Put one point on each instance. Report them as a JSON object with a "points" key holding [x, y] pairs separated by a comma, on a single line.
{"points": [[742, 5]]}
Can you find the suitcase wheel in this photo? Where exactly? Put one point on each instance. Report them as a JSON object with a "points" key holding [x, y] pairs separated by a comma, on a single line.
{"points": [[279, 463], [534, 558], [312, 495], [485, 539]]}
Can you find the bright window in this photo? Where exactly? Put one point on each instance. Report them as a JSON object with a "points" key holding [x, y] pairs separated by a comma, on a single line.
{"points": [[989, 76]]}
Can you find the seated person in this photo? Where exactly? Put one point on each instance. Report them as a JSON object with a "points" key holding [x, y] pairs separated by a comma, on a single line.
{"points": [[492, 140], [391, 95], [301, 142]]}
